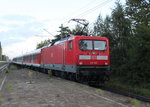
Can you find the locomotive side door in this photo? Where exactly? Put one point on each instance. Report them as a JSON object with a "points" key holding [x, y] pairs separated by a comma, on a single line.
{"points": [[42, 58], [64, 55]]}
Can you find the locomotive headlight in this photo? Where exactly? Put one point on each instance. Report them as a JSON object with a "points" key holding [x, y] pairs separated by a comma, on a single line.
{"points": [[106, 63], [80, 63]]}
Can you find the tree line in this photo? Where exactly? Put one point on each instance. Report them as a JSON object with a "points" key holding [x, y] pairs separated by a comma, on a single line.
{"points": [[128, 29]]}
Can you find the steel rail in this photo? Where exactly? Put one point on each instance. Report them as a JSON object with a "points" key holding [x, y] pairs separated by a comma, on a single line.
{"points": [[125, 93], [3, 67], [3, 74]]}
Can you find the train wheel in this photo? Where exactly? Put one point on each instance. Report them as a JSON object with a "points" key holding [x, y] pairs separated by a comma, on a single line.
{"points": [[73, 77], [53, 73], [106, 78], [66, 75], [63, 75], [70, 77], [79, 78]]}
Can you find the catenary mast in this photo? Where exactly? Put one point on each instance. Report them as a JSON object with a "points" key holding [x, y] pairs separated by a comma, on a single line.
{"points": [[0, 52]]}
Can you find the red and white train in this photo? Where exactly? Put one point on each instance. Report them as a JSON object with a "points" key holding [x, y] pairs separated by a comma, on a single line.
{"points": [[76, 57]]}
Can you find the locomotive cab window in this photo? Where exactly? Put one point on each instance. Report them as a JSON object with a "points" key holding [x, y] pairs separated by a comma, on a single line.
{"points": [[85, 45], [70, 45], [99, 45], [92, 45]]}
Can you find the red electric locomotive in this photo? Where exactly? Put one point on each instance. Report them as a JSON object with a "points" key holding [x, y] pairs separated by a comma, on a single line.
{"points": [[78, 57], [82, 58]]}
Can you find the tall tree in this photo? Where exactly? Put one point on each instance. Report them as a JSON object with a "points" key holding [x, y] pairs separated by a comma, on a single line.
{"points": [[99, 26], [78, 30], [43, 43], [107, 30], [103, 27], [139, 56], [63, 32], [121, 34], [138, 11]]}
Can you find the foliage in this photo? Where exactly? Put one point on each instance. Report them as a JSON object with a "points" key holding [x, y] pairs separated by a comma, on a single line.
{"points": [[128, 30], [12, 67], [100, 92], [121, 33], [63, 32], [128, 100], [117, 28], [119, 82], [6, 70], [136, 103], [131, 49], [103, 28], [136, 70], [49, 74], [30, 75], [1, 100], [78, 30], [43, 43], [3, 63], [139, 56], [99, 26], [10, 87], [138, 11]]}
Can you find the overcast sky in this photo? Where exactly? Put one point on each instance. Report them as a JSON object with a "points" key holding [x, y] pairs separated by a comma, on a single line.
{"points": [[22, 21]]}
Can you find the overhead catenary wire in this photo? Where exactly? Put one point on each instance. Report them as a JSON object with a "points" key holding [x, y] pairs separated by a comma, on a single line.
{"points": [[94, 8], [89, 11], [86, 12], [85, 7]]}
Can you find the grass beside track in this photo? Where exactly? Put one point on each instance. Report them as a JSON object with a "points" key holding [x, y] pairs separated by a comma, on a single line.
{"points": [[115, 82], [3, 63]]}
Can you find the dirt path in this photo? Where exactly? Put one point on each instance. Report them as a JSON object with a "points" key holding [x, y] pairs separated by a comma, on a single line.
{"points": [[25, 88]]}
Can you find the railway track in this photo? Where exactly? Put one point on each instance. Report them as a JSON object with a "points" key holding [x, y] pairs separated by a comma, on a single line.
{"points": [[3, 67], [117, 91], [125, 93], [121, 92], [2, 75]]}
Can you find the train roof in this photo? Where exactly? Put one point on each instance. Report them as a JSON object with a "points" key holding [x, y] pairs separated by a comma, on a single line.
{"points": [[82, 36], [30, 53], [73, 37], [76, 36], [33, 52]]}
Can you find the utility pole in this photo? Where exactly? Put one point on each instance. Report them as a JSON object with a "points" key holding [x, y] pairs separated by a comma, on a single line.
{"points": [[0, 52]]}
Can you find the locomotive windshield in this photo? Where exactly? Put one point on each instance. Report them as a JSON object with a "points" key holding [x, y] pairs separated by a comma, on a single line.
{"points": [[92, 45]]}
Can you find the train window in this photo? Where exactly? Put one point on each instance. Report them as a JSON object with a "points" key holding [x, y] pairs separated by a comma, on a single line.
{"points": [[99, 45], [34, 57], [85, 45], [70, 45], [37, 57], [92, 45]]}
